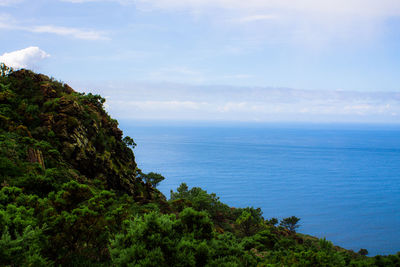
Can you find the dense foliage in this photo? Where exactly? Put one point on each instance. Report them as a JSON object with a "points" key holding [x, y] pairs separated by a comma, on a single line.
{"points": [[72, 195]]}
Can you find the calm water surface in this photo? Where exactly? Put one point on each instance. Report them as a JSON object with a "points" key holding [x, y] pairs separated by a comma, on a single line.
{"points": [[343, 181]]}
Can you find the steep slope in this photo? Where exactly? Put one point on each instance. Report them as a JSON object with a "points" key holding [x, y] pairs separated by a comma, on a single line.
{"points": [[68, 178], [50, 114]]}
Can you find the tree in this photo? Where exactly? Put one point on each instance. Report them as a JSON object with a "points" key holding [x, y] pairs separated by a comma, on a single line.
{"points": [[129, 142], [153, 178], [272, 221], [96, 100], [245, 223], [182, 192], [249, 222], [363, 252], [290, 223], [4, 70]]}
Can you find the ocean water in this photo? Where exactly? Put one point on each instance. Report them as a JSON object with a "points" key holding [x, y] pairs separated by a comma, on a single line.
{"points": [[343, 181]]}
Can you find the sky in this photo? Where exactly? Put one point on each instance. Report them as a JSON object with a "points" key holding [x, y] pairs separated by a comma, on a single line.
{"points": [[223, 60]]}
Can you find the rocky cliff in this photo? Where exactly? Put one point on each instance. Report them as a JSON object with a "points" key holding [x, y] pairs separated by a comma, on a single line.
{"points": [[76, 125]]}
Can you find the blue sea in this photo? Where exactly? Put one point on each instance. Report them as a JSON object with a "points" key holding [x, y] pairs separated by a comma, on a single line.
{"points": [[343, 181]]}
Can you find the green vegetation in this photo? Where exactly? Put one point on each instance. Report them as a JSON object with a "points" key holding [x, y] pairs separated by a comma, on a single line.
{"points": [[152, 178], [71, 194], [290, 223]]}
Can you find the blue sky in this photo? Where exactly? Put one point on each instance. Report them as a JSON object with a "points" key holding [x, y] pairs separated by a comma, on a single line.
{"points": [[216, 59]]}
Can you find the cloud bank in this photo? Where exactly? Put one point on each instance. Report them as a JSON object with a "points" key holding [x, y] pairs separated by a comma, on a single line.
{"points": [[24, 58], [253, 104]]}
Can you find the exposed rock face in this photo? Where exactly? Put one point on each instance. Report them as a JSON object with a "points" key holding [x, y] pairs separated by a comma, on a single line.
{"points": [[77, 124], [35, 155]]}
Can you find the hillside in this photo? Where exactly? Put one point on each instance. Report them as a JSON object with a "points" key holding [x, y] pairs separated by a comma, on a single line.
{"points": [[72, 195]]}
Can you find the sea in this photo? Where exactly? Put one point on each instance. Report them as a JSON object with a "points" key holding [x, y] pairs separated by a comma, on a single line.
{"points": [[341, 180]]}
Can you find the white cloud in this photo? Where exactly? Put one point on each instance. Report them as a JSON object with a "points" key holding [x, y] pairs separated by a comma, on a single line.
{"points": [[341, 8], [255, 18], [165, 105], [9, 23], [24, 58], [330, 7], [237, 76], [66, 31], [233, 106], [9, 2], [79, 1], [123, 2]]}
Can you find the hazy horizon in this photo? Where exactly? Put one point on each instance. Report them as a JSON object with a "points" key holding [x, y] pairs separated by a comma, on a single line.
{"points": [[179, 102]]}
